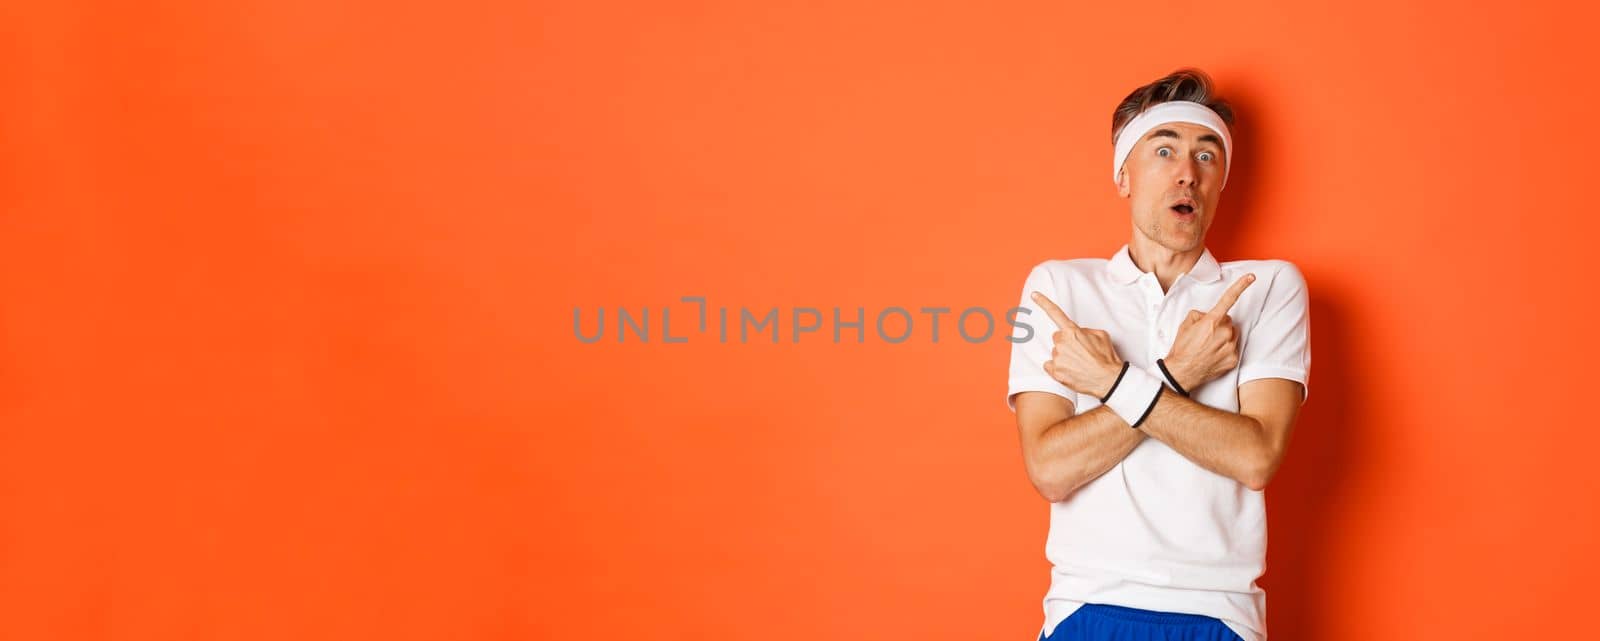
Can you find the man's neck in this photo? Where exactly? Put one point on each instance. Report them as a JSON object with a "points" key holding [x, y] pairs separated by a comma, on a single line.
{"points": [[1167, 264]]}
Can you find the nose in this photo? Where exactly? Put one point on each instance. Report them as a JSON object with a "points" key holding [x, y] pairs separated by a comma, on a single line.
{"points": [[1186, 172]]}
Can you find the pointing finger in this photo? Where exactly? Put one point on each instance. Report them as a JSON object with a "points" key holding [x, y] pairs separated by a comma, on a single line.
{"points": [[1232, 295], [1055, 313]]}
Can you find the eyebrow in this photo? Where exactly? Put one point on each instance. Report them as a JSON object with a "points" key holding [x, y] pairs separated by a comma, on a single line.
{"points": [[1168, 133]]}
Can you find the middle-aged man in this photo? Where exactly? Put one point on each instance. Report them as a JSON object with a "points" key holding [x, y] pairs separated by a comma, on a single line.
{"points": [[1156, 397]]}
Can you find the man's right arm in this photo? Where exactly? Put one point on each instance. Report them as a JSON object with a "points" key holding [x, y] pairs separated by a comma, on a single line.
{"points": [[1062, 452]]}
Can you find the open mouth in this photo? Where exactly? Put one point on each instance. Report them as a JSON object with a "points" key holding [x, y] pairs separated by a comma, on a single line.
{"points": [[1183, 208]]}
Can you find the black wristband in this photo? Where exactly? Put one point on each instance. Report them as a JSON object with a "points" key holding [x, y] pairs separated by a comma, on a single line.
{"points": [[1162, 363], [1147, 410], [1114, 384]]}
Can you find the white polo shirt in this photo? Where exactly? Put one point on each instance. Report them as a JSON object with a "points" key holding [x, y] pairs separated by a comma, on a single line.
{"points": [[1157, 531]]}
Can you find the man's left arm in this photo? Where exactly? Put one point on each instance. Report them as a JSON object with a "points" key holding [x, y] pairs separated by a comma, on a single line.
{"points": [[1247, 446]]}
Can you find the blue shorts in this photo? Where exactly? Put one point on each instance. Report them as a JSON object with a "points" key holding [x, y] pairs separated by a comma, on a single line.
{"points": [[1104, 622]]}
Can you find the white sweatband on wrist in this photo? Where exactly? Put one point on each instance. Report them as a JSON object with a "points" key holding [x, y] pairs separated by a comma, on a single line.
{"points": [[1135, 395], [1174, 111]]}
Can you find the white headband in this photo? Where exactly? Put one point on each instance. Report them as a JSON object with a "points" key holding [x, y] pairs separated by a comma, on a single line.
{"points": [[1173, 111]]}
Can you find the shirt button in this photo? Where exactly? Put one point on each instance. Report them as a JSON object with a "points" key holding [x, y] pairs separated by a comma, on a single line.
{"points": [[1162, 335]]}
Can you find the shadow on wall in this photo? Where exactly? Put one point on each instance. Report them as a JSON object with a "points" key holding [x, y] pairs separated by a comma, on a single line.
{"points": [[1305, 507]]}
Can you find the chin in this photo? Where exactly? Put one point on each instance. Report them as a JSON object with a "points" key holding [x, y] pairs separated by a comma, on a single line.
{"points": [[1181, 242], [1176, 239]]}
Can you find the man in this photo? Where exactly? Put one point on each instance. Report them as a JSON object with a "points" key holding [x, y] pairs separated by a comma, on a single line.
{"points": [[1156, 395]]}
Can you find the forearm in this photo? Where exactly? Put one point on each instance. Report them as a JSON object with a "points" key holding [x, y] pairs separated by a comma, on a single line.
{"points": [[1080, 448], [1224, 442]]}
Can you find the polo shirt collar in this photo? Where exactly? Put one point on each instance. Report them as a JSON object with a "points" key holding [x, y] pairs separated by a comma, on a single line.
{"points": [[1124, 271]]}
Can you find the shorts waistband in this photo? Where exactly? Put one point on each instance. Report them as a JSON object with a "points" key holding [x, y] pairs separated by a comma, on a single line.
{"points": [[1148, 616]]}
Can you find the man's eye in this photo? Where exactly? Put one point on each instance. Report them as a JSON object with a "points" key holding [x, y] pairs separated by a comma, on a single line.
{"points": [[1163, 152], [1205, 155]]}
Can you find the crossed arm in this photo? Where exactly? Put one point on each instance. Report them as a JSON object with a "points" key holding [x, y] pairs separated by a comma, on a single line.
{"points": [[1063, 451]]}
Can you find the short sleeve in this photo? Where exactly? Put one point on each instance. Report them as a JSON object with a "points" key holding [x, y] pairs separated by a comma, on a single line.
{"points": [[1031, 341], [1279, 345]]}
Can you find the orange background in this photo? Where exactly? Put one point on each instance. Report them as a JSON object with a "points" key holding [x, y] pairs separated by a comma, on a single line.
{"points": [[288, 290]]}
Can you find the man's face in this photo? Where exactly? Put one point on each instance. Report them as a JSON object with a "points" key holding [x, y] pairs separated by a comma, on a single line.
{"points": [[1176, 164]]}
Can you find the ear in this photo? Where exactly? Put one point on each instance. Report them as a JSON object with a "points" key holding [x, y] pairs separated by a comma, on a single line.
{"points": [[1122, 182]]}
